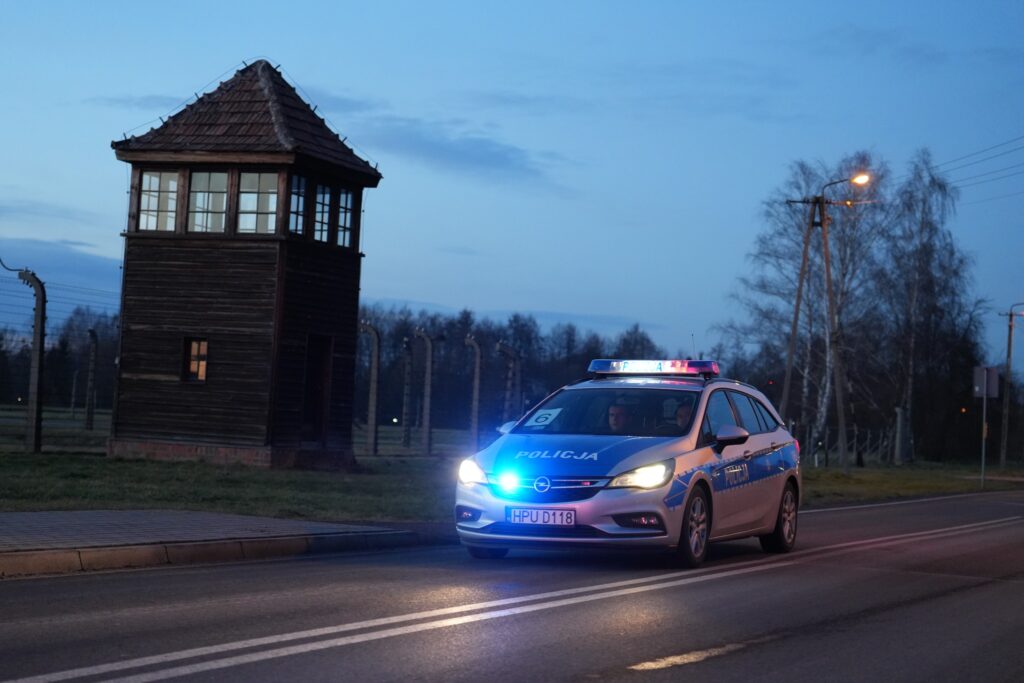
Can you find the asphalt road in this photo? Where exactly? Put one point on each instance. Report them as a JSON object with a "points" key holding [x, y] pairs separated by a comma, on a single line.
{"points": [[925, 591]]}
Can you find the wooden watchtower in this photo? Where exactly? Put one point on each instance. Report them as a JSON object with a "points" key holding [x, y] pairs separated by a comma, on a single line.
{"points": [[240, 298]]}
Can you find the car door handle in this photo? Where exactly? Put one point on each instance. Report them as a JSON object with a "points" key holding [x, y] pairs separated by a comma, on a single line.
{"points": [[747, 455]]}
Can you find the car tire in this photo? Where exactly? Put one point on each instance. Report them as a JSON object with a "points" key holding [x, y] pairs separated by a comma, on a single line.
{"points": [[783, 536], [693, 537], [487, 553]]}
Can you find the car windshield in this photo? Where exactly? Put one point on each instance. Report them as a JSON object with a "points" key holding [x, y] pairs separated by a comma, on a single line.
{"points": [[614, 411]]}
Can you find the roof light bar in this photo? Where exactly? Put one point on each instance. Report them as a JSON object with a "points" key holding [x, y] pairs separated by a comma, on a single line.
{"points": [[605, 366]]}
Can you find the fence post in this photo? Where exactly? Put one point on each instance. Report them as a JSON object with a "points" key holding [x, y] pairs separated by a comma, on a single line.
{"points": [[511, 411], [371, 408], [474, 408], [34, 417], [428, 380], [407, 394], [90, 386]]}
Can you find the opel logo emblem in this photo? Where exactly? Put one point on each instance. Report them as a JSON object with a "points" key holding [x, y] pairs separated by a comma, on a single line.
{"points": [[541, 484]]}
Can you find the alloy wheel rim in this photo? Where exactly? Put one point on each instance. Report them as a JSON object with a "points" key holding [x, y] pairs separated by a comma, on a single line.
{"points": [[788, 516], [698, 526]]}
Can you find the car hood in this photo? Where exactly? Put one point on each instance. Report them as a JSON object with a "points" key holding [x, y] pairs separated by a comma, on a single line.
{"points": [[574, 454]]}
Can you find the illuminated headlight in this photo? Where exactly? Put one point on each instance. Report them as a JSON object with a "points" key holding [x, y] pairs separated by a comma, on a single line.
{"points": [[470, 472], [646, 477], [508, 482]]}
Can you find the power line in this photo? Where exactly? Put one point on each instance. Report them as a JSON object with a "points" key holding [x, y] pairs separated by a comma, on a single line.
{"points": [[981, 175], [979, 161], [992, 199], [980, 151], [992, 180]]}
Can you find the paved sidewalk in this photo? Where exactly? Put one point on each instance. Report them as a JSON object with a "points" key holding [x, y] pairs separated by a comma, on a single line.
{"points": [[60, 542]]}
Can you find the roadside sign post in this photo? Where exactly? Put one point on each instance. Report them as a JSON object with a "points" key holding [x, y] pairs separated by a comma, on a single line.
{"points": [[986, 386]]}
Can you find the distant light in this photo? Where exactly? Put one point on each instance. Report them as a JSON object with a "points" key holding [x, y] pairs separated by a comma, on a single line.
{"points": [[394, 420], [508, 482], [963, 410], [862, 179]]}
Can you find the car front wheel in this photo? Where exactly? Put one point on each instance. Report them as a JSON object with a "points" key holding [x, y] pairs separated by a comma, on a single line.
{"points": [[693, 539], [783, 537]]}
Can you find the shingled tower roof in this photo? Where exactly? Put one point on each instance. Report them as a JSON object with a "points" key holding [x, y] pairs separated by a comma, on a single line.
{"points": [[255, 111]]}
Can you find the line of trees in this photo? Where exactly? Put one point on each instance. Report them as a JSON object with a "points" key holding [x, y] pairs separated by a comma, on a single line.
{"points": [[66, 360], [910, 328], [548, 361]]}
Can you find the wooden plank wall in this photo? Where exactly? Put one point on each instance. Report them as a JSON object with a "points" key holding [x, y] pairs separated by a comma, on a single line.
{"points": [[321, 296], [217, 288]]}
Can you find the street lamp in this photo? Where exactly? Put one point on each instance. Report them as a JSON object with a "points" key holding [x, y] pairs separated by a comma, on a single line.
{"points": [[818, 204], [1007, 386]]}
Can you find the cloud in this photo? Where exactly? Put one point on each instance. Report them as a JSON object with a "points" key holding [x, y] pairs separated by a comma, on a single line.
{"points": [[164, 103], [523, 103], [67, 269], [33, 210], [76, 243], [1000, 56], [892, 43], [450, 146]]}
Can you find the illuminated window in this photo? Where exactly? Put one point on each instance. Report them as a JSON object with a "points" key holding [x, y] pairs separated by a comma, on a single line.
{"points": [[157, 200], [208, 202], [257, 203], [321, 217], [345, 218], [195, 360], [297, 213]]}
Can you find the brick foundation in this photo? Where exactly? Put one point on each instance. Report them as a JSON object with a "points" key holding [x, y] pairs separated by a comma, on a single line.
{"points": [[255, 456]]}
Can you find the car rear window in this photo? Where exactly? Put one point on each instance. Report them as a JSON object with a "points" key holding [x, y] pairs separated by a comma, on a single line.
{"points": [[747, 412]]}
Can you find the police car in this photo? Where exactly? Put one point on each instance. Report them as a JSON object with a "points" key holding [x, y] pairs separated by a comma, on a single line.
{"points": [[643, 454]]}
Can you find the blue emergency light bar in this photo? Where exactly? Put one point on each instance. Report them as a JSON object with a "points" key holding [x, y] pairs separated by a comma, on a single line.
{"points": [[702, 368]]}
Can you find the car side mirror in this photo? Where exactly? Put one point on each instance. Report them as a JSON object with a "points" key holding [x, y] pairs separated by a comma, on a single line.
{"points": [[507, 427], [731, 435]]}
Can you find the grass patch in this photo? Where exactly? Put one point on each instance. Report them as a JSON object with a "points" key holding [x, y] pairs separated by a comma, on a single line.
{"points": [[385, 488], [824, 487]]}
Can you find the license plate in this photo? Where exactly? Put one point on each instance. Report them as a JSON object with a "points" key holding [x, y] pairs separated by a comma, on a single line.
{"points": [[540, 516]]}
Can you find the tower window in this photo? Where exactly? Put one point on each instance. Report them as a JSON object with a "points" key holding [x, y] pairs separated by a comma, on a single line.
{"points": [[345, 218], [257, 202], [158, 199], [195, 360], [321, 222], [207, 202], [297, 214]]}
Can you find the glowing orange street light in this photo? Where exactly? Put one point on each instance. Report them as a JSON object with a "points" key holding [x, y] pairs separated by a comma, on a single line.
{"points": [[861, 179]]}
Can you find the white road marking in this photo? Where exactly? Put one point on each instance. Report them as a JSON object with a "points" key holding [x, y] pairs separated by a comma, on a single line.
{"points": [[697, 655], [213, 665], [596, 592], [933, 499]]}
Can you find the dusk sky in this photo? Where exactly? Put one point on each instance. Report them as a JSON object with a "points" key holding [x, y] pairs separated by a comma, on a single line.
{"points": [[595, 162]]}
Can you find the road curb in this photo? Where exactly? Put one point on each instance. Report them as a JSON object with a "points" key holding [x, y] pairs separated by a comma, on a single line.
{"points": [[22, 563]]}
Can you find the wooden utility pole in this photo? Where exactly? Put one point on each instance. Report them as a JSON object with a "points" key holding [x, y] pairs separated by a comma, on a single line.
{"points": [[839, 377], [1007, 386], [34, 417], [791, 348]]}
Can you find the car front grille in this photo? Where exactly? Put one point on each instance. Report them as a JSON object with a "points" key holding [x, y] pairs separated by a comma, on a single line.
{"points": [[560, 490]]}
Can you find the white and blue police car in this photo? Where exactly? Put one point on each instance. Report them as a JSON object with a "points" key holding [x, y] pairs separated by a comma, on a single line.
{"points": [[643, 454]]}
